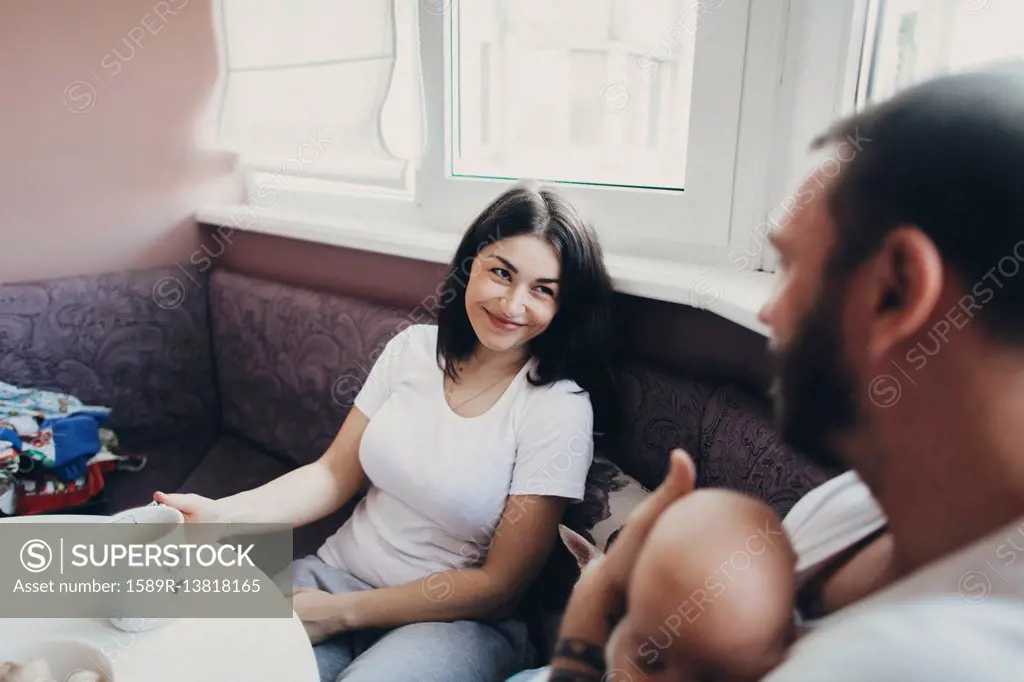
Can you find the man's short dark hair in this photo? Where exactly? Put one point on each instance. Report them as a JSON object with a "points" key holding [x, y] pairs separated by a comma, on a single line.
{"points": [[946, 156]]}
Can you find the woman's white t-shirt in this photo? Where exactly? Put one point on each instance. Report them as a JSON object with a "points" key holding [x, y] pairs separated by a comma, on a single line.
{"points": [[440, 481]]}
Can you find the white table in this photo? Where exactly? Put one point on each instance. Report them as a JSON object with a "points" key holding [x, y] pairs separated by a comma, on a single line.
{"points": [[193, 649]]}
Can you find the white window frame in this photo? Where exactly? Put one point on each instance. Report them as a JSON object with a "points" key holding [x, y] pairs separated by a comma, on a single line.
{"points": [[633, 221], [619, 212], [820, 82]]}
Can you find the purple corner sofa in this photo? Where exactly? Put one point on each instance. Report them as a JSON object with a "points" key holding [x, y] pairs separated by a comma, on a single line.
{"points": [[225, 382]]}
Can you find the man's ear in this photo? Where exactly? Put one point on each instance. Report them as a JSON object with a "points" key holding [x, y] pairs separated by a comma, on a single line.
{"points": [[584, 551], [909, 277]]}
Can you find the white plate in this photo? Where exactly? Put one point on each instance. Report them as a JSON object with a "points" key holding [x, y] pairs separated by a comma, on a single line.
{"points": [[54, 518], [140, 624], [63, 656], [152, 513]]}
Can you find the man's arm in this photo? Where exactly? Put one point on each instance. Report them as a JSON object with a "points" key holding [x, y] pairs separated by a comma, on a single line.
{"points": [[856, 573], [598, 600], [593, 610]]}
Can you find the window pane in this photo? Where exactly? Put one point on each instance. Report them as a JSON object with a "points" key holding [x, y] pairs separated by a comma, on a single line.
{"points": [[586, 91], [918, 39]]}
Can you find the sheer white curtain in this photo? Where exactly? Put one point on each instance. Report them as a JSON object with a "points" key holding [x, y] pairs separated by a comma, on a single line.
{"points": [[322, 88]]}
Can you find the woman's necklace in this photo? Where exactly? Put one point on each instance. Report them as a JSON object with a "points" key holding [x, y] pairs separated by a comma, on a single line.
{"points": [[450, 391]]}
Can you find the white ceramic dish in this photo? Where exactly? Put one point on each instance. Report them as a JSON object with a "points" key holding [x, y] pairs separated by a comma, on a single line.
{"points": [[151, 514], [52, 518], [63, 656], [144, 525]]}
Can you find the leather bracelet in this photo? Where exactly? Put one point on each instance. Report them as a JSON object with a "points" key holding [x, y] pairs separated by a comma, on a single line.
{"points": [[581, 651], [575, 676]]}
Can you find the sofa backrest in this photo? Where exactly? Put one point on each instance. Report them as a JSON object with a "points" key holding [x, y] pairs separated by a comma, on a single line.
{"points": [[661, 411], [135, 341], [290, 361], [742, 450], [727, 431]]}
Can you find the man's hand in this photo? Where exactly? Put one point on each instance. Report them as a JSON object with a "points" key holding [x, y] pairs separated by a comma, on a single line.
{"points": [[617, 565], [599, 597], [319, 611]]}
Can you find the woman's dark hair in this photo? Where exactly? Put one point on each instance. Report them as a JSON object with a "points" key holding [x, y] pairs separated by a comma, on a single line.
{"points": [[579, 342]]}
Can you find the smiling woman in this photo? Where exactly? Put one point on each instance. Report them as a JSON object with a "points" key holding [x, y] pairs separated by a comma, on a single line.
{"points": [[474, 435]]}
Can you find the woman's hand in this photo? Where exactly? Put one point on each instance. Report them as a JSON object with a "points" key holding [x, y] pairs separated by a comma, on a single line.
{"points": [[319, 611], [207, 521], [195, 508]]}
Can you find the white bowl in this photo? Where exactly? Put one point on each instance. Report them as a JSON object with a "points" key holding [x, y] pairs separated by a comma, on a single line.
{"points": [[63, 656], [154, 524], [171, 524]]}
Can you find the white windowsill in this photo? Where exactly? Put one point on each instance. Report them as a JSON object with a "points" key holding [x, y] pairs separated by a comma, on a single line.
{"points": [[736, 296]]}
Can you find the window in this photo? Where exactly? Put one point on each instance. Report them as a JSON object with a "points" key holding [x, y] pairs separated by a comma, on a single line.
{"points": [[632, 105], [681, 127], [913, 40]]}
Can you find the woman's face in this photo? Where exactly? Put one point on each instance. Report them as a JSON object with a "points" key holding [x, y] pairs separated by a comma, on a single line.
{"points": [[512, 293]]}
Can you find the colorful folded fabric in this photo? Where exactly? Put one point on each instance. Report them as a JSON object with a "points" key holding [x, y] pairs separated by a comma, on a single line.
{"points": [[57, 430], [32, 402]]}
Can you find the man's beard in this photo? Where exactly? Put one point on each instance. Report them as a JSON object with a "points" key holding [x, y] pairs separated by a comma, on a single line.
{"points": [[815, 392]]}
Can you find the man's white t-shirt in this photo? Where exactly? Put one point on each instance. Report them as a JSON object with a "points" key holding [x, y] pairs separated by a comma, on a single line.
{"points": [[829, 520], [959, 619], [439, 482]]}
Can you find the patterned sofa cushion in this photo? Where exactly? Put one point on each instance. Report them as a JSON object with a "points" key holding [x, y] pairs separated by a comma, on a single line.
{"points": [[660, 412], [738, 449], [135, 341], [741, 450], [610, 496], [290, 361]]}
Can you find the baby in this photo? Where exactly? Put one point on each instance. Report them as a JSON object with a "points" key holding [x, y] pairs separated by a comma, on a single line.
{"points": [[712, 594], [715, 591], [711, 597], [722, 587]]}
